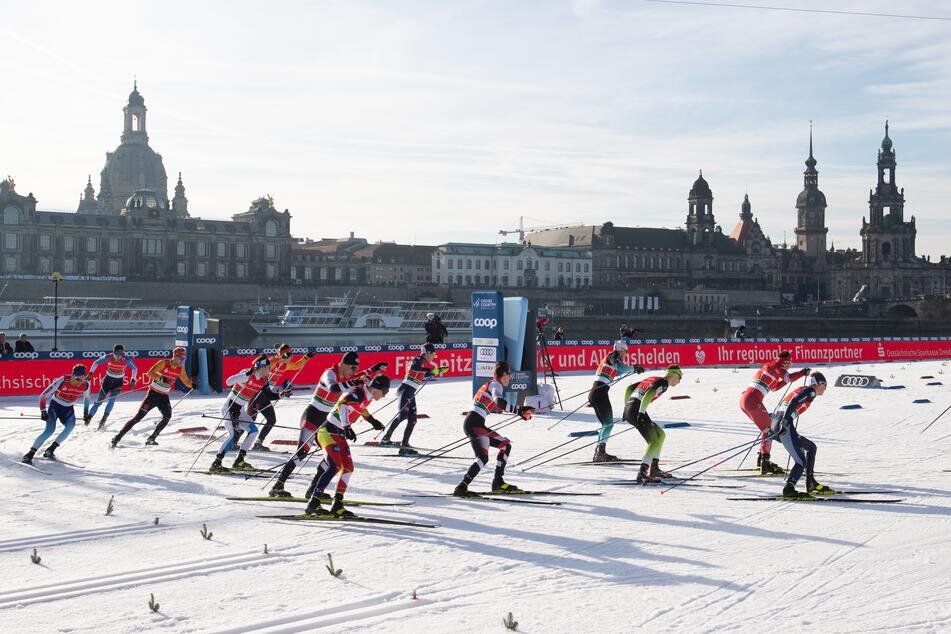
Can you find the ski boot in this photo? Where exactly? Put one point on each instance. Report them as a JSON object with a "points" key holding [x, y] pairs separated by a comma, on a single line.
{"points": [[462, 491], [790, 492], [657, 472], [501, 486], [337, 509], [150, 441], [277, 491], [814, 488], [769, 468], [86, 419], [260, 446], [102, 423], [407, 450], [28, 456], [314, 507], [386, 442], [115, 441], [643, 476], [240, 464], [48, 454], [601, 455], [216, 466]]}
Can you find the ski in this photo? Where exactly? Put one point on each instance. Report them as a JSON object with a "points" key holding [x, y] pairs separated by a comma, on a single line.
{"points": [[486, 498], [756, 469], [729, 474], [780, 498], [29, 466], [356, 518], [861, 492], [614, 463], [296, 500], [233, 474], [64, 463], [392, 445], [668, 483], [396, 455], [523, 492]]}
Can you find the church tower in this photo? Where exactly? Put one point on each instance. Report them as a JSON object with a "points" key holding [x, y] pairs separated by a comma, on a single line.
{"points": [[87, 202], [134, 115], [700, 223], [886, 237], [180, 203], [811, 213]]}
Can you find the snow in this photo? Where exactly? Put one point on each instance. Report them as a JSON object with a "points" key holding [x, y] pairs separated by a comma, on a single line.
{"points": [[628, 560]]}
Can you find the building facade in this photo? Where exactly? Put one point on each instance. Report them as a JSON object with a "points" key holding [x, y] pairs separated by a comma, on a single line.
{"points": [[511, 266]]}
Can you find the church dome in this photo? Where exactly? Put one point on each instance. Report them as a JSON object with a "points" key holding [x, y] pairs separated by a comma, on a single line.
{"points": [[811, 198], [144, 199], [700, 188], [135, 99]]}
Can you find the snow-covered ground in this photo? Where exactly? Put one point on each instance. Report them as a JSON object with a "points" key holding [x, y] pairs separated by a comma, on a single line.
{"points": [[628, 560]]}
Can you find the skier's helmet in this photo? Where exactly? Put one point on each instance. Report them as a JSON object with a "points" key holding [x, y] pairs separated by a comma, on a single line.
{"points": [[816, 378], [381, 383], [79, 370]]}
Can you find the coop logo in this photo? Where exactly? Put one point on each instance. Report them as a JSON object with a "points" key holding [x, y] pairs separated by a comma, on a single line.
{"points": [[854, 380], [485, 323], [92, 355], [26, 355], [299, 350], [324, 349], [156, 353], [245, 351], [392, 348], [485, 353], [460, 346], [348, 348], [205, 340], [133, 354], [182, 330], [518, 386], [61, 355], [372, 348]]}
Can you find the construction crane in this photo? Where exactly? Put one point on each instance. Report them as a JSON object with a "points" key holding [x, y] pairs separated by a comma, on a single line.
{"points": [[521, 227]]}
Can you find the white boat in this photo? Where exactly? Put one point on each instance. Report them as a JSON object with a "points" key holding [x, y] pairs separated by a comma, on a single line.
{"points": [[86, 317], [340, 317]]}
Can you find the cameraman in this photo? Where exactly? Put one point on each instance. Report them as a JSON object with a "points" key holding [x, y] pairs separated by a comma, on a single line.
{"points": [[435, 330]]}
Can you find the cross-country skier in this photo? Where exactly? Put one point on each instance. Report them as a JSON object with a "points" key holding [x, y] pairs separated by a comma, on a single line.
{"points": [[422, 367], [245, 386], [162, 376], [769, 378], [116, 365], [62, 394], [802, 450], [608, 370], [334, 382], [638, 397], [490, 398], [333, 436], [278, 386]]}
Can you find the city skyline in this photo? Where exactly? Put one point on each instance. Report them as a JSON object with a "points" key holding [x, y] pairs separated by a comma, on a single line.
{"points": [[396, 140]]}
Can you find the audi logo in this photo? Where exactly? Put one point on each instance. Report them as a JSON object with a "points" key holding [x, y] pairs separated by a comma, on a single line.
{"points": [[372, 348], [181, 330], [61, 355], [324, 349], [485, 323], [199, 340], [245, 351], [854, 381], [156, 353]]}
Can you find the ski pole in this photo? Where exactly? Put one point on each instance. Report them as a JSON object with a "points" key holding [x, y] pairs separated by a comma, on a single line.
{"points": [[623, 431], [102, 400], [401, 409], [714, 455], [20, 417], [603, 385], [936, 418], [442, 451], [763, 433], [226, 418], [677, 484], [184, 396], [566, 416]]}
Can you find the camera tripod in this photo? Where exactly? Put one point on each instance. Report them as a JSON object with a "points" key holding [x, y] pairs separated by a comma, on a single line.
{"points": [[547, 369]]}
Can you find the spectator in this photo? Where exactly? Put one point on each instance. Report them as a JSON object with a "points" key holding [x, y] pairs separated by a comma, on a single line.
{"points": [[559, 334], [740, 333], [435, 331], [626, 332], [23, 344], [6, 349]]}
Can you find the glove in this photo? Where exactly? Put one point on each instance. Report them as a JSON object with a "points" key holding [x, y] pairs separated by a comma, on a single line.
{"points": [[638, 370], [376, 367], [440, 370], [44, 414], [286, 393], [526, 412], [349, 434], [806, 371], [248, 372], [309, 355], [377, 425], [356, 382]]}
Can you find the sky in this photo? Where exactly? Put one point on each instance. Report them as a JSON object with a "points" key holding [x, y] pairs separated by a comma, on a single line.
{"points": [[429, 122]]}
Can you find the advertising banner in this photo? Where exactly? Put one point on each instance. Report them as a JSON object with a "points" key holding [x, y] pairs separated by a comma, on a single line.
{"points": [[487, 335]]}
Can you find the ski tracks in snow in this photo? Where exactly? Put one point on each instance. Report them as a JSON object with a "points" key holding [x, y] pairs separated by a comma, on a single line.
{"points": [[59, 539]]}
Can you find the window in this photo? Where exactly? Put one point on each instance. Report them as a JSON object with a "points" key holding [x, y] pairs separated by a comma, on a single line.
{"points": [[561, 267], [468, 280], [222, 250], [68, 244], [69, 266], [486, 265], [468, 264], [201, 269], [92, 245], [45, 266], [220, 270], [113, 267], [180, 249], [241, 250], [459, 263], [10, 263], [11, 215], [308, 273], [577, 267], [202, 249], [46, 242], [505, 280], [151, 247], [270, 251], [241, 270], [114, 245], [180, 268], [586, 265], [338, 274], [323, 273], [547, 266], [270, 229], [505, 265], [459, 280], [353, 275], [518, 281], [91, 267], [478, 265], [518, 266], [270, 271], [10, 241]]}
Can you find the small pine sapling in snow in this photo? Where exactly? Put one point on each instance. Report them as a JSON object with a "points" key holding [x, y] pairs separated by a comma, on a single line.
{"points": [[207, 534], [35, 558], [334, 572], [510, 623], [152, 604], [265, 550], [413, 596], [110, 507], [156, 521]]}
